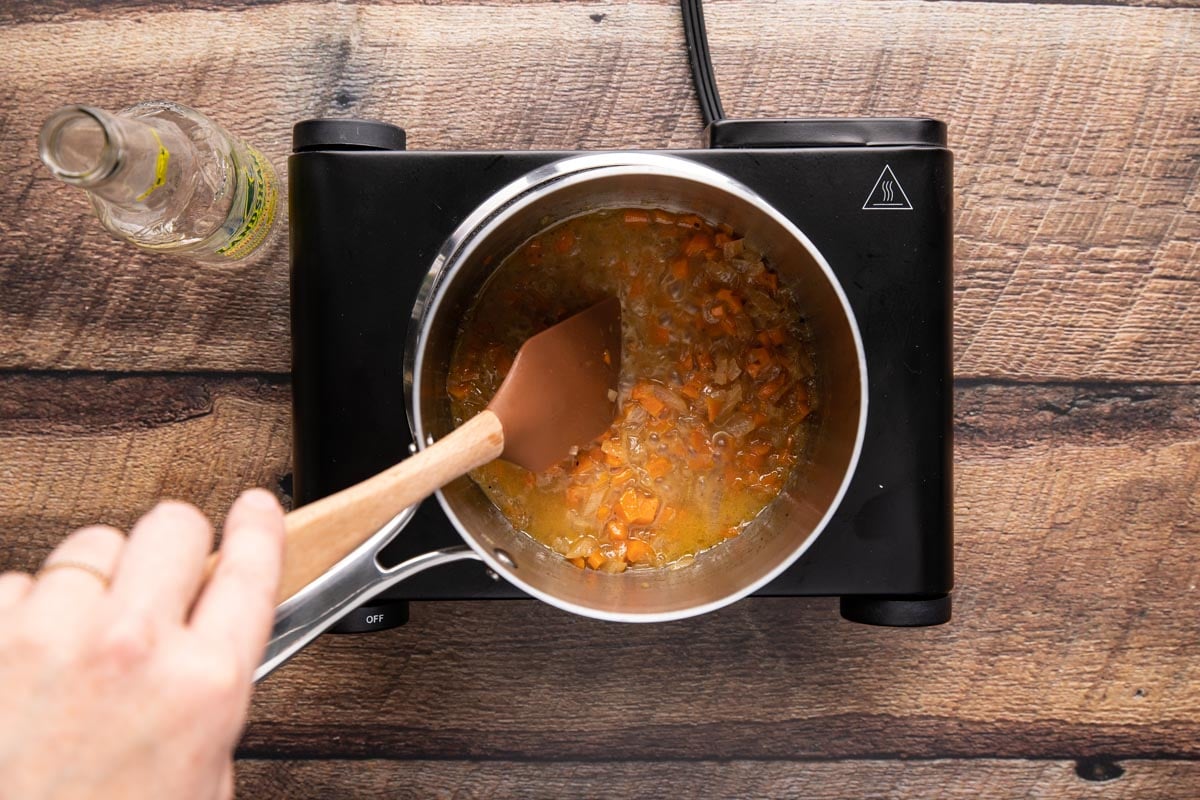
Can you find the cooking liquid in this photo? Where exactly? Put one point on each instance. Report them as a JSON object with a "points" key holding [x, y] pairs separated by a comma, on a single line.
{"points": [[715, 393]]}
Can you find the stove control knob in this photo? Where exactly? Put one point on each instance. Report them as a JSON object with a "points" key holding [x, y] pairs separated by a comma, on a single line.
{"points": [[378, 617]]}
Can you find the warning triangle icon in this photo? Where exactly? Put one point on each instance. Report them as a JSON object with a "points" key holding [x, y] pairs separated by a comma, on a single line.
{"points": [[887, 194]]}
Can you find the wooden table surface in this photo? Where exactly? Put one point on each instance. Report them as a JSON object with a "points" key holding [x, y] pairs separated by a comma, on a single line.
{"points": [[1072, 665]]}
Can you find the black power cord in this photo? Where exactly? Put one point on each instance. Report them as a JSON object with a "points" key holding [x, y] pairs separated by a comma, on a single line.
{"points": [[702, 71]]}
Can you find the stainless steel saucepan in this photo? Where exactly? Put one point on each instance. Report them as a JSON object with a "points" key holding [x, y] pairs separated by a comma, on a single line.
{"points": [[719, 576]]}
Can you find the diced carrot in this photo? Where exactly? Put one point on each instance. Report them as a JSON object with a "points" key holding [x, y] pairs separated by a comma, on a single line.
{"points": [[717, 310], [629, 505], [759, 419], [637, 551], [776, 335], [583, 463], [754, 456], [459, 391], [769, 390], [644, 395], [603, 512], [637, 216], [722, 238], [652, 404], [698, 441], [647, 511], [713, 406], [705, 360], [616, 530], [565, 241], [769, 279], [692, 389], [802, 411], [679, 268], [664, 217], [697, 244], [596, 559], [685, 363], [730, 299], [754, 461], [577, 561], [659, 426], [608, 358], [660, 335], [658, 466], [637, 509]]}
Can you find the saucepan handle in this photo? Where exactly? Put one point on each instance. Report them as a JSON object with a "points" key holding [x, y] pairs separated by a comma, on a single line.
{"points": [[351, 582]]}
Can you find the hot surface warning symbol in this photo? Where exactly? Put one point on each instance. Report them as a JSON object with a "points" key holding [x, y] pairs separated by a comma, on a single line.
{"points": [[887, 194]]}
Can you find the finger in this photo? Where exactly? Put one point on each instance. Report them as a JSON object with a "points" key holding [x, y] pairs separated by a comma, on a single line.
{"points": [[226, 786], [162, 566], [77, 572], [13, 588], [238, 604]]}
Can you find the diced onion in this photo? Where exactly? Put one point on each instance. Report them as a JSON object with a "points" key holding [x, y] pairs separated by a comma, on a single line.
{"points": [[582, 548]]}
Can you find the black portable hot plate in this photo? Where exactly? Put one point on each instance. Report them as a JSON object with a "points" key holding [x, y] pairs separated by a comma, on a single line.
{"points": [[873, 195]]}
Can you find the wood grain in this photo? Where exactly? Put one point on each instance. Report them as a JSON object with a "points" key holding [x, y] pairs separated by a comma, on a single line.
{"points": [[15, 11], [942, 779], [1075, 128], [1077, 517], [1072, 666], [81, 449]]}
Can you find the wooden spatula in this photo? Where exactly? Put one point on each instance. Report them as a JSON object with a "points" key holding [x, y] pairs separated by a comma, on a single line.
{"points": [[560, 393]]}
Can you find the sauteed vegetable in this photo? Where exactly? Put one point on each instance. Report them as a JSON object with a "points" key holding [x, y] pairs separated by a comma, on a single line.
{"points": [[715, 396]]}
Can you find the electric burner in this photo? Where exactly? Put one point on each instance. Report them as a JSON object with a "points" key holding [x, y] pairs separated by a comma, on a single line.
{"points": [[873, 195]]}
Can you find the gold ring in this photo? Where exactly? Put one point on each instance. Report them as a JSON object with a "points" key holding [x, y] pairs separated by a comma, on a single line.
{"points": [[103, 577]]}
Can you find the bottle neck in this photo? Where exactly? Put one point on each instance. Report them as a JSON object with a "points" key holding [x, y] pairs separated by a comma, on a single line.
{"points": [[119, 159]]}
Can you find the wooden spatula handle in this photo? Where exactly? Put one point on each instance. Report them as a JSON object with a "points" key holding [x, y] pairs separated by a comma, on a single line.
{"points": [[320, 534]]}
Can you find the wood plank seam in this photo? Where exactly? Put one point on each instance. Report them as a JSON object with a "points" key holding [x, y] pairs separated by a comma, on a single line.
{"points": [[265, 754], [284, 378]]}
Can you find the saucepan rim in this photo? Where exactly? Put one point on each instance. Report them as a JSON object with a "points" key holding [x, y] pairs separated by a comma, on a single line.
{"points": [[493, 213]]}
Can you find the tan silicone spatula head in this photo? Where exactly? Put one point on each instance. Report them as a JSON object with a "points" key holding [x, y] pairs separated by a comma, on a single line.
{"points": [[561, 391]]}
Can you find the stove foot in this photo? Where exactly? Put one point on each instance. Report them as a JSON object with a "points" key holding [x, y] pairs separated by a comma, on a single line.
{"points": [[897, 611]]}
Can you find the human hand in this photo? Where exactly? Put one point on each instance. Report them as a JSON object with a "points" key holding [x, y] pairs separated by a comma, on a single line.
{"points": [[136, 687]]}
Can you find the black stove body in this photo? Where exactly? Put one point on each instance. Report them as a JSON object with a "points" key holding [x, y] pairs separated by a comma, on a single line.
{"points": [[873, 195]]}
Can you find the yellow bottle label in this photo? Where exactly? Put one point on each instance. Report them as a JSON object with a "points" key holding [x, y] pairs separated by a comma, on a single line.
{"points": [[261, 199], [160, 167]]}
